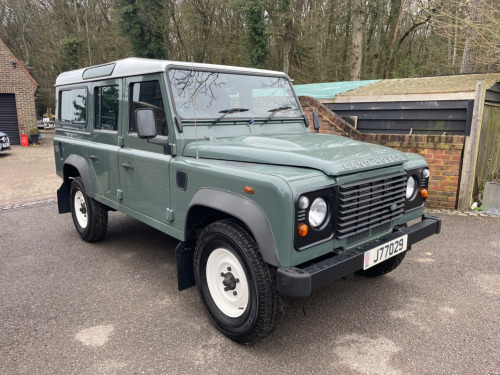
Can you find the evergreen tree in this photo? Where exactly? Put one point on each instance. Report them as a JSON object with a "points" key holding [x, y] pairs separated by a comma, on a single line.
{"points": [[257, 36], [139, 20]]}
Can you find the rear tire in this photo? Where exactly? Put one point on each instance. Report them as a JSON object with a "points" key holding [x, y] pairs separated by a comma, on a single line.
{"points": [[383, 268], [236, 286], [89, 216]]}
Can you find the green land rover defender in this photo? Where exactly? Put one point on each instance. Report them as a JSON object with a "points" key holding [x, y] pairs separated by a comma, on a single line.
{"points": [[222, 158]]}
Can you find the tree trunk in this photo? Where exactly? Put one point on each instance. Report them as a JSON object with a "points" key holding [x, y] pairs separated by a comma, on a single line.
{"points": [[357, 41], [455, 38], [286, 14], [395, 35], [470, 49]]}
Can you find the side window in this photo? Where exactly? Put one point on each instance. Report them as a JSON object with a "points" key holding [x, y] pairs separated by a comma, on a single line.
{"points": [[106, 107], [147, 95], [73, 106]]}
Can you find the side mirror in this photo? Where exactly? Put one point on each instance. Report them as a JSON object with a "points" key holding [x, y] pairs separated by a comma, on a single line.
{"points": [[146, 124], [316, 121]]}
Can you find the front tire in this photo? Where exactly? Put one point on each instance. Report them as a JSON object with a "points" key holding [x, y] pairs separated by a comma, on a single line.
{"points": [[89, 216], [236, 286]]}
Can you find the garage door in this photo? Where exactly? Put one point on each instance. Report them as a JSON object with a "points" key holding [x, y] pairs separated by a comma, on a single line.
{"points": [[8, 117]]}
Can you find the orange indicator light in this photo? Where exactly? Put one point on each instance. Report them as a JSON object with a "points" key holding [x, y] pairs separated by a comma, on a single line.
{"points": [[249, 189], [423, 192], [302, 230]]}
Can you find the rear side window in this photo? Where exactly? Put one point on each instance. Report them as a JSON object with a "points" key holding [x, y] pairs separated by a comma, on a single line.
{"points": [[147, 95], [73, 106], [106, 107]]}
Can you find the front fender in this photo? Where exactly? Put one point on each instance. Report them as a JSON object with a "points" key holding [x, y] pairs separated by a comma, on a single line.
{"points": [[245, 210]]}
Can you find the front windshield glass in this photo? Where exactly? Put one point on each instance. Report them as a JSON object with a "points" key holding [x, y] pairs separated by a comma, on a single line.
{"points": [[209, 95]]}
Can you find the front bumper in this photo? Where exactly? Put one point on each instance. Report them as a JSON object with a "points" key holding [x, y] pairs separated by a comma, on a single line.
{"points": [[300, 282]]}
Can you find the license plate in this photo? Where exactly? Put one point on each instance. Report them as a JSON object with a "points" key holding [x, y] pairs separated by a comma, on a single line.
{"points": [[385, 251]]}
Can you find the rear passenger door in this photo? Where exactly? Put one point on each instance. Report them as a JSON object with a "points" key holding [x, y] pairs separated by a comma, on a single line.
{"points": [[144, 168], [104, 146]]}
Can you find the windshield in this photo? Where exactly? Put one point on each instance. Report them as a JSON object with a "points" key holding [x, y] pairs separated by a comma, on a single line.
{"points": [[209, 95]]}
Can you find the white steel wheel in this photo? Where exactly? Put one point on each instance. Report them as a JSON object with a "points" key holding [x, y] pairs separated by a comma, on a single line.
{"points": [[89, 216], [81, 209], [227, 282], [237, 288]]}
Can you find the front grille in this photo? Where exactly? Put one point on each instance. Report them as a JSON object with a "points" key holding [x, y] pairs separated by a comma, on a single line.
{"points": [[370, 203], [358, 237]]}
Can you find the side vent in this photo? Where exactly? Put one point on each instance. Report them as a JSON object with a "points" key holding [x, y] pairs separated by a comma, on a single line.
{"points": [[182, 180]]}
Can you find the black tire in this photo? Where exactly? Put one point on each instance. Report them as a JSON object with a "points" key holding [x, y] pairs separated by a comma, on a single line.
{"points": [[265, 304], [93, 212], [383, 268]]}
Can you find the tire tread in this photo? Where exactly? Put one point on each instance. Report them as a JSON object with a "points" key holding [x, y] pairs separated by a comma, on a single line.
{"points": [[97, 215], [271, 301]]}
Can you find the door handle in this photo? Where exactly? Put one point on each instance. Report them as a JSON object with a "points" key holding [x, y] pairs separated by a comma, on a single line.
{"points": [[127, 166], [94, 158]]}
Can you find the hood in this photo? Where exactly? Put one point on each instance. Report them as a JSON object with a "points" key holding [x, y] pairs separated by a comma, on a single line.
{"points": [[334, 155]]}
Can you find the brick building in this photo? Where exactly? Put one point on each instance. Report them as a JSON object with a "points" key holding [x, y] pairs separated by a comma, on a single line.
{"points": [[452, 121], [17, 96]]}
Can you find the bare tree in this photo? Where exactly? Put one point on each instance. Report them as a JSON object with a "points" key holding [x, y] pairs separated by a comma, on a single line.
{"points": [[394, 37], [470, 50], [357, 40]]}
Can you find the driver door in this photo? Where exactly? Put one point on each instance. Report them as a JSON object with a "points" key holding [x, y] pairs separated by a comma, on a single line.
{"points": [[144, 168]]}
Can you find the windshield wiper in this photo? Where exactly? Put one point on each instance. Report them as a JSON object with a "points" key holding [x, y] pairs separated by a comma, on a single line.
{"points": [[228, 112], [274, 111]]}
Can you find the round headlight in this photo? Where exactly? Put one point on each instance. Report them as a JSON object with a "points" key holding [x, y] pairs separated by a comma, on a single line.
{"points": [[410, 187], [318, 212], [426, 173], [303, 203]]}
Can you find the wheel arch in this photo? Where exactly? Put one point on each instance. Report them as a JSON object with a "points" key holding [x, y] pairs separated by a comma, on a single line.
{"points": [[74, 166], [216, 204]]}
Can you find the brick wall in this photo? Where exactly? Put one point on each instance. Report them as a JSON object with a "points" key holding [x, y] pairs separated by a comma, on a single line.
{"points": [[16, 80], [442, 153]]}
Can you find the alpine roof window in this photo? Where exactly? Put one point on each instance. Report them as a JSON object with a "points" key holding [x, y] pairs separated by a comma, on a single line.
{"points": [[99, 71]]}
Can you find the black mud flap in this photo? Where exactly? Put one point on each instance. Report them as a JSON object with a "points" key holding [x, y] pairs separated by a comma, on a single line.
{"points": [[185, 271], [63, 201]]}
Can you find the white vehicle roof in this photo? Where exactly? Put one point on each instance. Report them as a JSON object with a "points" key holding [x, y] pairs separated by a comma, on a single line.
{"points": [[134, 66]]}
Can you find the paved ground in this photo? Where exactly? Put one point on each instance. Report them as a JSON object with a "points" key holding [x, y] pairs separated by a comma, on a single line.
{"points": [[28, 174], [69, 307]]}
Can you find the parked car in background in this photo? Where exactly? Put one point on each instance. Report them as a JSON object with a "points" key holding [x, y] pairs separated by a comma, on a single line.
{"points": [[4, 142]]}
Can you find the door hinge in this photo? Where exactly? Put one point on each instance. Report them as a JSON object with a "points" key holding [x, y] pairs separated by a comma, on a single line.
{"points": [[119, 194], [120, 141], [171, 149], [170, 215]]}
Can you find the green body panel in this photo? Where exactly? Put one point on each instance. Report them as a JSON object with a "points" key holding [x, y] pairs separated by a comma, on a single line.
{"points": [[272, 194], [280, 160], [68, 142], [334, 155], [104, 170]]}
